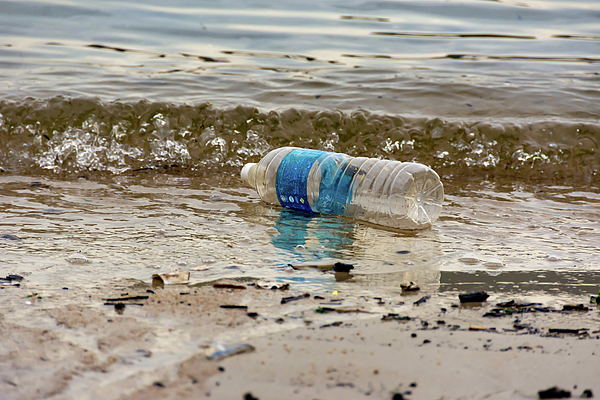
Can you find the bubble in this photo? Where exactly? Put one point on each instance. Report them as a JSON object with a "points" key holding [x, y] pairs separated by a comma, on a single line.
{"points": [[493, 263], [469, 258]]}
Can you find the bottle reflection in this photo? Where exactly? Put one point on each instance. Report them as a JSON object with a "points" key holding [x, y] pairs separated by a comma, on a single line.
{"points": [[381, 257]]}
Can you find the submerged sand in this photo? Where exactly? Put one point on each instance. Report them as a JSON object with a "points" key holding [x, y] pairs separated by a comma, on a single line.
{"points": [[69, 346]]}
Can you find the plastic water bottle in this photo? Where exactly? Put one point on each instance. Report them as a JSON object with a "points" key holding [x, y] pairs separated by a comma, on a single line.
{"points": [[390, 193]]}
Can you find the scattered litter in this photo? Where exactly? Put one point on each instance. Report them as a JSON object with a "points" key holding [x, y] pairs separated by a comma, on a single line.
{"points": [[554, 393], [587, 394], [476, 297], [342, 267], [294, 298], [77, 258], [127, 298], [253, 315], [422, 300], [469, 258], [10, 278], [218, 351], [336, 267], [129, 304], [568, 331], [337, 323], [250, 396], [325, 310], [272, 285], [172, 278], [234, 306], [228, 286], [409, 287], [395, 317], [477, 328], [119, 308], [595, 299], [553, 258], [575, 307], [200, 268]]}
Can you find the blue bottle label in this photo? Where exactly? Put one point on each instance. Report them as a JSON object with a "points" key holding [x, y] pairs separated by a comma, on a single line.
{"points": [[334, 187], [292, 177]]}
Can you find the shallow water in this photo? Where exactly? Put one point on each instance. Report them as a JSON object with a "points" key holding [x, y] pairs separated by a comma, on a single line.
{"points": [[134, 120], [90, 233]]}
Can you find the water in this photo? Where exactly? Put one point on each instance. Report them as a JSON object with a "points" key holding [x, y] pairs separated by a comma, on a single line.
{"points": [[123, 126]]}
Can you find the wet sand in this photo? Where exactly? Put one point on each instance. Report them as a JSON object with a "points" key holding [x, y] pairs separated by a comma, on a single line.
{"points": [[76, 347]]}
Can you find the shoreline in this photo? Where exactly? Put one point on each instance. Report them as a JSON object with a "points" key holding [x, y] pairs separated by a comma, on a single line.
{"points": [[65, 349]]}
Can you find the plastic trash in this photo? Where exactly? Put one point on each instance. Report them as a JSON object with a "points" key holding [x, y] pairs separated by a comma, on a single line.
{"points": [[218, 350], [389, 193], [172, 278]]}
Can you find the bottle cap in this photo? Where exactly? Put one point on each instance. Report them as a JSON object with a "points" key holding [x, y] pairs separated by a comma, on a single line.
{"points": [[246, 172]]}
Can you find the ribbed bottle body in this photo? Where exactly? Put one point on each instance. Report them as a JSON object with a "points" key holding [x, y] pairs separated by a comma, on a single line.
{"points": [[389, 193]]}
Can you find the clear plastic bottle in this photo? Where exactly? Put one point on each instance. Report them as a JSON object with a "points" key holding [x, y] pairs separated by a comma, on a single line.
{"points": [[390, 193]]}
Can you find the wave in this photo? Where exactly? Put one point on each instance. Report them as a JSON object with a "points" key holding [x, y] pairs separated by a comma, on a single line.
{"points": [[84, 135]]}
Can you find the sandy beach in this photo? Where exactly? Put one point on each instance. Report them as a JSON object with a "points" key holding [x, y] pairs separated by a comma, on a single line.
{"points": [[316, 346]]}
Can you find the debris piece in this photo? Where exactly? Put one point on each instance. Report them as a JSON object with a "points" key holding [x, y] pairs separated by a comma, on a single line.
{"points": [[342, 267], [337, 323], [228, 286], [422, 300], [477, 328], [271, 285], [554, 393], [568, 331], [326, 310], [575, 307], [395, 317], [252, 315], [200, 268], [12, 277], [294, 298], [129, 304], [250, 396], [119, 308], [476, 297], [172, 278], [587, 394], [336, 267], [127, 298], [234, 306], [218, 351], [509, 303], [409, 287]]}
